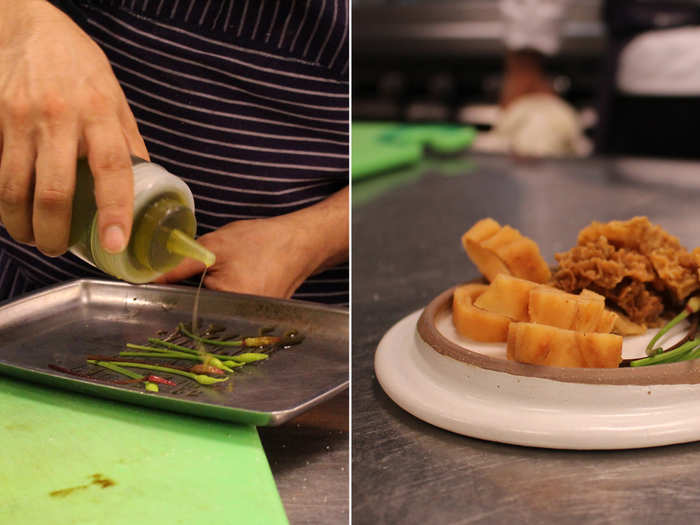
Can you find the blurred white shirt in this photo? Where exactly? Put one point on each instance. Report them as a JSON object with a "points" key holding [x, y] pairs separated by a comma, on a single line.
{"points": [[662, 62], [533, 24]]}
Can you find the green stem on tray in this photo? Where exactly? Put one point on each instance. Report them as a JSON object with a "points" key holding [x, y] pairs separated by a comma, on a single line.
{"points": [[264, 340], [204, 357], [248, 357], [162, 355], [151, 387], [200, 378], [234, 364], [292, 337], [172, 346]]}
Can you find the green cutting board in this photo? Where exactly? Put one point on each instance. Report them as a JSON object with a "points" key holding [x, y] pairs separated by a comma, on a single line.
{"points": [[67, 459], [378, 147]]}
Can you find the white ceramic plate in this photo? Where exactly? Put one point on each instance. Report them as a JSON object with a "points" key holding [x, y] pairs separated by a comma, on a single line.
{"points": [[532, 411]]}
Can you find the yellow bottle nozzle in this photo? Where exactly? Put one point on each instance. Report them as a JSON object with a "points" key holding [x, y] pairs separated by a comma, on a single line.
{"points": [[182, 244]]}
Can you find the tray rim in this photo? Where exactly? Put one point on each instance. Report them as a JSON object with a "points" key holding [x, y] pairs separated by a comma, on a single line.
{"points": [[81, 282], [178, 405]]}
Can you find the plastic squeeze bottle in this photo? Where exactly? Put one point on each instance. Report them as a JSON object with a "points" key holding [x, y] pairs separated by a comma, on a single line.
{"points": [[162, 233]]}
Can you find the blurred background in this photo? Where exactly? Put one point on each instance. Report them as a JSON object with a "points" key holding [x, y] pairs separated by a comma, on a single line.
{"points": [[543, 78], [443, 60]]}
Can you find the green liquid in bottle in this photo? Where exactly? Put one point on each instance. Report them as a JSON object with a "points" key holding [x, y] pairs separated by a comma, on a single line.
{"points": [[162, 233], [181, 244]]}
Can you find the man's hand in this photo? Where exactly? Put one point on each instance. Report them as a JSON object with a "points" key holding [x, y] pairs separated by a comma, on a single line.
{"points": [[59, 100], [273, 256]]}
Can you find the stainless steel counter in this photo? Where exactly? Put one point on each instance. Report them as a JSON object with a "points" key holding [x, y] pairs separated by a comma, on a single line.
{"points": [[309, 458], [406, 250]]}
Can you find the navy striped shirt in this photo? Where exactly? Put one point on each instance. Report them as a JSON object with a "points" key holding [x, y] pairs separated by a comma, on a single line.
{"points": [[247, 101]]}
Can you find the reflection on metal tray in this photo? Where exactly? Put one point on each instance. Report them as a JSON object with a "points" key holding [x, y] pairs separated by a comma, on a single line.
{"points": [[63, 324]]}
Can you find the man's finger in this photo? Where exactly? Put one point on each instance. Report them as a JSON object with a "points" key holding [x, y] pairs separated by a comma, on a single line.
{"points": [[187, 268], [54, 187], [110, 163], [16, 185]]}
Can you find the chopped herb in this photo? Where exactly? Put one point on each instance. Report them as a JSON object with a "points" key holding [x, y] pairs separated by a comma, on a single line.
{"points": [[168, 348], [150, 386], [200, 378]]}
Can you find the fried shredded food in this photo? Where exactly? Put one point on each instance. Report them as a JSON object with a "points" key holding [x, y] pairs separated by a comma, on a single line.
{"points": [[635, 264]]}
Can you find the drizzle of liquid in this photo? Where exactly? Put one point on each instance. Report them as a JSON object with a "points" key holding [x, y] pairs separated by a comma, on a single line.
{"points": [[182, 244], [195, 311]]}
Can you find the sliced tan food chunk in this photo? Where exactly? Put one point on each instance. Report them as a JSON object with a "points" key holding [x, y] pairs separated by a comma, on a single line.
{"points": [[488, 263], [600, 350], [607, 318], [590, 294], [611, 321], [520, 254], [474, 323], [554, 307], [540, 344], [625, 326], [507, 295], [606, 323], [495, 250], [548, 345], [502, 239]]}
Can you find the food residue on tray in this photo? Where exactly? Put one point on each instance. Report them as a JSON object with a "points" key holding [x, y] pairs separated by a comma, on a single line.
{"points": [[620, 278], [204, 347]]}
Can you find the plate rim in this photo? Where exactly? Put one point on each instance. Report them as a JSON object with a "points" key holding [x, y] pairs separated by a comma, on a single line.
{"points": [[486, 414]]}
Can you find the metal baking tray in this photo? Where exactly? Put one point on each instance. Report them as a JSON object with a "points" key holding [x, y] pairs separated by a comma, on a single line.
{"points": [[63, 324]]}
